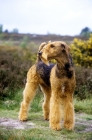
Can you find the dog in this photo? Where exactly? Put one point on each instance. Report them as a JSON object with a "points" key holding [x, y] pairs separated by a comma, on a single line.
{"points": [[57, 81]]}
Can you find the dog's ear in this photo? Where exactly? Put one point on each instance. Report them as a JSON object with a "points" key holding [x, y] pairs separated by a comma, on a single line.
{"points": [[68, 48], [63, 46], [70, 60]]}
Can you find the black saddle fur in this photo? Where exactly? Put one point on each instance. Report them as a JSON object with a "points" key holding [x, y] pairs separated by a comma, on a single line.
{"points": [[44, 71]]}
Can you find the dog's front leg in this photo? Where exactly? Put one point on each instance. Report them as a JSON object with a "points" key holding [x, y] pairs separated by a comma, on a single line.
{"points": [[69, 115], [55, 113]]}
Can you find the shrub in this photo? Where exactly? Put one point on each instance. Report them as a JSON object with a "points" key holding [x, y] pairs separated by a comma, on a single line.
{"points": [[82, 56], [83, 82], [82, 52], [14, 64], [25, 42]]}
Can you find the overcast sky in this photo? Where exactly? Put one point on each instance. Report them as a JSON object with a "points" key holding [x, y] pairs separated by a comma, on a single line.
{"points": [[64, 17]]}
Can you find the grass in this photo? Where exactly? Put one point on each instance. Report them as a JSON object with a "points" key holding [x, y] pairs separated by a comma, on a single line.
{"points": [[41, 131], [83, 105], [14, 103], [38, 134]]}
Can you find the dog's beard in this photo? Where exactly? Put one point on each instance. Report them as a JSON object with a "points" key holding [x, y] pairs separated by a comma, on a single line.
{"points": [[44, 59]]}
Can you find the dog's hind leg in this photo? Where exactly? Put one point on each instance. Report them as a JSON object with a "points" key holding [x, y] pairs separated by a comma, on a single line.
{"points": [[46, 103], [69, 115], [29, 93]]}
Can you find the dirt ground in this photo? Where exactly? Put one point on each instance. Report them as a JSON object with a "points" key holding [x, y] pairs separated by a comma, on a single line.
{"points": [[11, 123], [83, 123]]}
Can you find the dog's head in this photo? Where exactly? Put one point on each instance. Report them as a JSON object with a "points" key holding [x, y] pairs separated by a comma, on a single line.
{"points": [[54, 50]]}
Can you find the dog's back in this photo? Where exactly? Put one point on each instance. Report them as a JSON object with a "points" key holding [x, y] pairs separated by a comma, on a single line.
{"points": [[44, 71]]}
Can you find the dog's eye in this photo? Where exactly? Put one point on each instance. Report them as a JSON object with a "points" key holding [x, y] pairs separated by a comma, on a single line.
{"points": [[63, 46], [52, 46]]}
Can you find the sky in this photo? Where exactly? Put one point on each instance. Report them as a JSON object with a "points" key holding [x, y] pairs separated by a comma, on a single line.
{"points": [[62, 17]]}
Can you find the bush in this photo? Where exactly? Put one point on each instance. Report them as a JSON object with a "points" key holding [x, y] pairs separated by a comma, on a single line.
{"points": [[25, 42], [82, 52], [82, 56], [83, 82], [14, 64]]}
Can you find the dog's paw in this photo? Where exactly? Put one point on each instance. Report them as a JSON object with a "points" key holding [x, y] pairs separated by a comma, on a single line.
{"points": [[46, 117], [55, 127], [22, 118], [69, 126]]}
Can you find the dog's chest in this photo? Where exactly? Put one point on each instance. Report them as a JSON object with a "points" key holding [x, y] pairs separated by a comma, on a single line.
{"points": [[62, 88], [64, 73]]}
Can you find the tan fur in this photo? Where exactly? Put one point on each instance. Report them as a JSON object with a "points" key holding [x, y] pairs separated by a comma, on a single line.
{"points": [[58, 99]]}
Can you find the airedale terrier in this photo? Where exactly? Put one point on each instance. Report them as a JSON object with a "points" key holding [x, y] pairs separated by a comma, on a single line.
{"points": [[57, 82]]}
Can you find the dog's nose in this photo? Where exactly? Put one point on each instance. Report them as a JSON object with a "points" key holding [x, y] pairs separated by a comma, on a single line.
{"points": [[40, 53]]}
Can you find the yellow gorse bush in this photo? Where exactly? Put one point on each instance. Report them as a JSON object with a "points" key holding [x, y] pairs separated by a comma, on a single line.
{"points": [[82, 52]]}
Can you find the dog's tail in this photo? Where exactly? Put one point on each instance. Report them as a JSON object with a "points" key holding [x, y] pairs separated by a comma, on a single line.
{"points": [[40, 48]]}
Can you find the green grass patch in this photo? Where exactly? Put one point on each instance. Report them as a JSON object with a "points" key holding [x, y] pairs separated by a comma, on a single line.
{"points": [[14, 103], [43, 134], [41, 131], [83, 105]]}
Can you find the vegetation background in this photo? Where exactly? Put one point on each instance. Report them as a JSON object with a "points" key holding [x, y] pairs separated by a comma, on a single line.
{"points": [[17, 54]]}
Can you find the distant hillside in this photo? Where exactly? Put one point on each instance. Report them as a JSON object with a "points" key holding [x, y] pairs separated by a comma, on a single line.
{"points": [[38, 38]]}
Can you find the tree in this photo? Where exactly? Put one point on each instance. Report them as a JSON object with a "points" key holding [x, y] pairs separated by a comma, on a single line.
{"points": [[6, 31], [85, 32], [1, 28], [15, 30]]}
